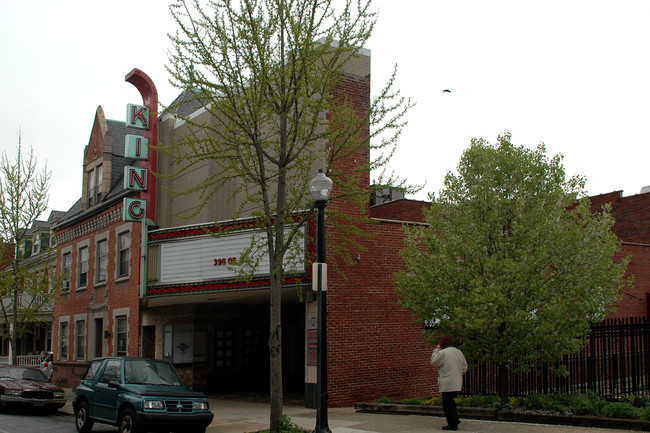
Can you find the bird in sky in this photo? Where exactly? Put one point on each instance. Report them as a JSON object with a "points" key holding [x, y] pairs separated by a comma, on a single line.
{"points": [[446, 91]]}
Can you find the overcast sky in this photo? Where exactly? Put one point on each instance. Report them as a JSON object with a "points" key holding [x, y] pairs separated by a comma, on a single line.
{"points": [[572, 74]]}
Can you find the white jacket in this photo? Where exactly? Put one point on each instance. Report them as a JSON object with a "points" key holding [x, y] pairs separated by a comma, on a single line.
{"points": [[451, 365]]}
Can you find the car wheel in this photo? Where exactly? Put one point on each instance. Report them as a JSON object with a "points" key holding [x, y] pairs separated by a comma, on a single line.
{"points": [[82, 419], [127, 422]]}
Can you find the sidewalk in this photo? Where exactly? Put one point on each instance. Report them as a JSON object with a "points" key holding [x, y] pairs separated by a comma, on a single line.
{"points": [[238, 416]]}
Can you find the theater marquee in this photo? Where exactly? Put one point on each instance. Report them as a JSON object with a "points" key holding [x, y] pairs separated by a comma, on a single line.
{"points": [[210, 258]]}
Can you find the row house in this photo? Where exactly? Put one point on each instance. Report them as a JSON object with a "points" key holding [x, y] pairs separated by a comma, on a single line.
{"points": [[34, 312], [97, 310]]}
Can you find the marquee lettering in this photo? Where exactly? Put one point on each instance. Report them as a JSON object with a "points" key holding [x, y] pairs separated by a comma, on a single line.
{"points": [[224, 261], [139, 178], [135, 178], [139, 113], [137, 116], [134, 209], [136, 147]]}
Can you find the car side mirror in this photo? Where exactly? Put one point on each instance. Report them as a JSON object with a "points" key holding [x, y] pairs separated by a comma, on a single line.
{"points": [[114, 384]]}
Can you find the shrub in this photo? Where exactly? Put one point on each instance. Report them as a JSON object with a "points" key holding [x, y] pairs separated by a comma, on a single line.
{"points": [[645, 413], [411, 401], [489, 401], [287, 426], [433, 401], [641, 401], [619, 410], [576, 404], [585, 404], [539, 402], [516, 402]]}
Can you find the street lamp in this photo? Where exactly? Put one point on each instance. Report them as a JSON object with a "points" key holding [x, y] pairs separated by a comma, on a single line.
{"points": [[320, 188]]}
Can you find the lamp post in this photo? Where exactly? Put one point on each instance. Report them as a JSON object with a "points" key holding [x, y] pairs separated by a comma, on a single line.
{"points": [[320, 187]]}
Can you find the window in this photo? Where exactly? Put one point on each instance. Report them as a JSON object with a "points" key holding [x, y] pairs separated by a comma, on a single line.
{"points": [[100, 174], [102, 260], [45, 241], [124, 254], [80, 339], [178, 340], [121, 325], [63, 340], [91, 187], [83, 266], [95, 185], [26, 251], [36, 243], [93, 369], [66, 269], [112, 371]]}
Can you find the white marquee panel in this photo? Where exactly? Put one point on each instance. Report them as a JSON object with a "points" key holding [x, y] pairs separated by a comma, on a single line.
{"points": [[207, 258]]}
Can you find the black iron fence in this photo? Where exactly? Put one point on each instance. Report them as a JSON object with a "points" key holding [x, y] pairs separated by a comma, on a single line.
{"points": [[615, 362]]}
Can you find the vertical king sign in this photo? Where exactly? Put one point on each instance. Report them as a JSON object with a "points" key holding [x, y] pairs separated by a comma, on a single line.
{"points": [[135, 178], [136, 147]]}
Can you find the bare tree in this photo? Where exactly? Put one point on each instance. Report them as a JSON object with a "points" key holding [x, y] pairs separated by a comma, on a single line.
{"points": [[24, 281]]}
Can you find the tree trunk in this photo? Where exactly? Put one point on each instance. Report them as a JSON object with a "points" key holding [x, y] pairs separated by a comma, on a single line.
{"points": [[275, 351], [12, 329], [503, 384]]}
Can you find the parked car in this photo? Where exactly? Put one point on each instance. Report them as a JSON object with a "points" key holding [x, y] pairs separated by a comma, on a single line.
{"points": [[28, 387], [46, 365], [138, 395]]}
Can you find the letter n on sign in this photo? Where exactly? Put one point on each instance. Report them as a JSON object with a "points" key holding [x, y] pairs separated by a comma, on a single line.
{"points": [[135, 178], [134, 209]]}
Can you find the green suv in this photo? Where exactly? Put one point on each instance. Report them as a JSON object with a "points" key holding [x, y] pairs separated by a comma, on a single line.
{"points": [[138, 395]]}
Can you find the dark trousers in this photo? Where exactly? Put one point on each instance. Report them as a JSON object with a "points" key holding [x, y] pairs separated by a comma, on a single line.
{"points": [[449, 407]]}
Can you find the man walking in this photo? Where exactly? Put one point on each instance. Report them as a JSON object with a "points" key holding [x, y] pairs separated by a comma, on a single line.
{"points": [[451, 365]]}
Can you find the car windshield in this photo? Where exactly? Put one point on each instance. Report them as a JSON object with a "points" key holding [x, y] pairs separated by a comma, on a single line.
{"points": [[150, 372], [19, 373]]}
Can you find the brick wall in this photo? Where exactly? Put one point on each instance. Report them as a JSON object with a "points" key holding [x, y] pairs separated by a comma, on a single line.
{"points": [[103, 297], [375, 348], [632, 215], [400, 210]]}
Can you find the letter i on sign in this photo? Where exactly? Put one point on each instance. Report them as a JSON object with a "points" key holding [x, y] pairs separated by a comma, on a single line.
{"points": [[136, 147]]}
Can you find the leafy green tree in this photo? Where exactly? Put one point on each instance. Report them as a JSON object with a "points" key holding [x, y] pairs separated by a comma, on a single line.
{"points": [[512, 262], [24, 281], [267, 73]]}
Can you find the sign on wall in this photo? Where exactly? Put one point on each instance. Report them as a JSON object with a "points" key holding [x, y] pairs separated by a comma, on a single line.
{"points": [[134, 209], [137, 116], [208, 258], [136, 147], [135, 178]]}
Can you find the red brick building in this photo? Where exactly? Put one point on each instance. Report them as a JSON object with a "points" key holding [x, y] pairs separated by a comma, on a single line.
{"points": [[175, 298], [97, 312], [632, 215], [170, 300]]}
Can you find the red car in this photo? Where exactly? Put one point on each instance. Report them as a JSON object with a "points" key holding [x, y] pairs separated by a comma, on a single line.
{"points": [[28, 388]]}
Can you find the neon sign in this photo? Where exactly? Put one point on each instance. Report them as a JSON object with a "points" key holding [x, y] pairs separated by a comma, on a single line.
{"points": [[136, 147]]}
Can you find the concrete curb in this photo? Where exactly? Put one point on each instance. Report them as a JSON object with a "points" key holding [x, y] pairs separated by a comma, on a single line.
{"points": [[497, 415]]}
